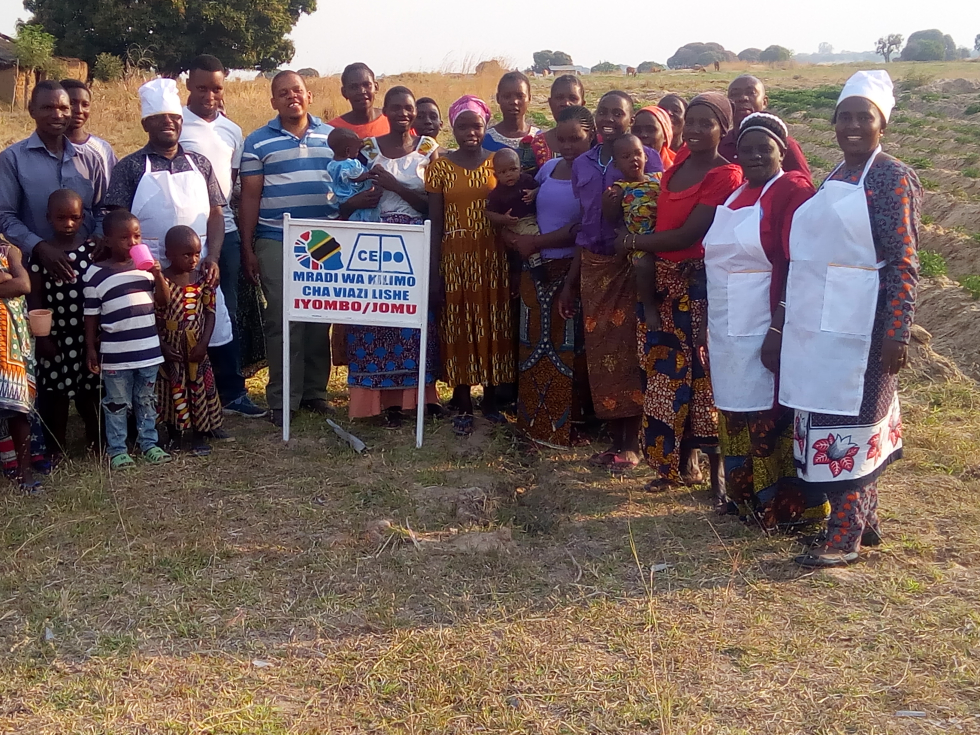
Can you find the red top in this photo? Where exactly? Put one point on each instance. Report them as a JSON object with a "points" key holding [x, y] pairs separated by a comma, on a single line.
{"points": [[778, 207], [674, 207]]}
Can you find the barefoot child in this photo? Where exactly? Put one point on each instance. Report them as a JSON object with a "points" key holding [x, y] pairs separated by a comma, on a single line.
{"points": [[349, 176], [510, 206], [61, 371], [637, 210], [16, 361], [121, 339], [186, 393]]}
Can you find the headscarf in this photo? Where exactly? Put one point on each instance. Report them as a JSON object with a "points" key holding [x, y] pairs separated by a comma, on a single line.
{"points": [[719, 104], [468, 102], [765, 122], [875, 86], [663, 117], [159, 97]]}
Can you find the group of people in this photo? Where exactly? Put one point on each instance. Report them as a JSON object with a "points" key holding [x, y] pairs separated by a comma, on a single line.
{"points": [[669, 273]]}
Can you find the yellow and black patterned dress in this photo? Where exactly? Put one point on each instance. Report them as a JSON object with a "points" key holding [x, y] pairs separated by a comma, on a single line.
{"points": [[475, 327], [17, 387]]}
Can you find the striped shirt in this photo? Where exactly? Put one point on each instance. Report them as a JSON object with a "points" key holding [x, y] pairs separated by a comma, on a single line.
{"points": [[294, 172], [103, 150], [122, 298]]}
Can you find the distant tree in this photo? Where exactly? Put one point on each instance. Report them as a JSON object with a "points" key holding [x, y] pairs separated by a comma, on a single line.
{"points": [[242, 33], [927, 50], [963, 52], [542, 60], [887, 45], [825, 48], [107, 68], [690, 54], [648, 66], [35, 52], [606, 67], [914, 51], [976, 43], [560, 58], [775, 53], [750, 55]]}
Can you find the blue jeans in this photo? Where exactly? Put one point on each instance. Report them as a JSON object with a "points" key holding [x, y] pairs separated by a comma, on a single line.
{"points": [[225, 361], [124, 390]]}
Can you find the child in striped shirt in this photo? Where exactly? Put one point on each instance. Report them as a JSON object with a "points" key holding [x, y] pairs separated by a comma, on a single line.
{"points": [[120, 318]]}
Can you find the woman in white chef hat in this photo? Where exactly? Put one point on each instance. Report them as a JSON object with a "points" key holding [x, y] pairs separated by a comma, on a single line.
{"points": [[850, 301]]}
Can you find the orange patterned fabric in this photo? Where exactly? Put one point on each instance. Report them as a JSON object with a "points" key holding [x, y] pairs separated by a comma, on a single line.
{"points": [[609, 310], [476, 324]]}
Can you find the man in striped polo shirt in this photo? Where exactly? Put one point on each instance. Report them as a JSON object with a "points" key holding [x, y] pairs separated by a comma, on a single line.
{"points": [[284, 169]]}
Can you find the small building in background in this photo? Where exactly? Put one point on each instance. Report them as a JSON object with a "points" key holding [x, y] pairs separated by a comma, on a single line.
{"points": [[16, 83], [559, 69]]}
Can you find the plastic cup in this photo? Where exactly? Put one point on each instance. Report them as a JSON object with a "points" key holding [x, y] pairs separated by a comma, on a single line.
{"points": [[40, 320], [142, 257]]}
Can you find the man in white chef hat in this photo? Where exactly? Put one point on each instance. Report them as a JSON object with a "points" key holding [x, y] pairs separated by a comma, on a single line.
{"points": [[164, 186]]}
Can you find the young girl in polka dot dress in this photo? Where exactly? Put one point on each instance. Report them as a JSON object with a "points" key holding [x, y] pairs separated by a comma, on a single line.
{"points": [[61, 372]]}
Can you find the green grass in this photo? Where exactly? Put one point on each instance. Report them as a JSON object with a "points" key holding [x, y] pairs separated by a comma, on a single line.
{"points": [[919, 162], [788, 101], [972, 109], [929, 184], [971, 172], [932, 264], [971, 158], [972, 285]]}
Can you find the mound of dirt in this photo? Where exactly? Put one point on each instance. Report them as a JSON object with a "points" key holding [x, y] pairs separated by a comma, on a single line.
{"points": [[952, 86], [950, 321]]}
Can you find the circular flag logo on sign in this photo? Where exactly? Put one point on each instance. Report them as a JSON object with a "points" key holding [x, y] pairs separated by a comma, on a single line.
{"points": [[318, 250]]}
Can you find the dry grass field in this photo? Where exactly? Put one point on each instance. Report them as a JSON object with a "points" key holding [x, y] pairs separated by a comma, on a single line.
{"points": [[254, 592]]}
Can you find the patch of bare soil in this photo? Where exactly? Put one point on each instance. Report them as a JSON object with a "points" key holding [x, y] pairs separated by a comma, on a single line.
{"points": [[950, 319]]}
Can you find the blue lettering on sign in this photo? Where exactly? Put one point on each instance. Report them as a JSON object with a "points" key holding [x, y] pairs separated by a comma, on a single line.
{"points": [[380, 254]]}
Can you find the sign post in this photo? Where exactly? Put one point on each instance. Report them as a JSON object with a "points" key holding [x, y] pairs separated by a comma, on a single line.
{"points": [[360, 273]]}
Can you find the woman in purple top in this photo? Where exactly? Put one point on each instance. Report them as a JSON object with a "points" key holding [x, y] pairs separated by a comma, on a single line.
{"points": [[608, 290], [551, 356]]}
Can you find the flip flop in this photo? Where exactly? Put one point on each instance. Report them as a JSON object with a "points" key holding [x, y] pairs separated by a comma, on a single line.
{"points": [[622, 464], [602, 459], [826, 561], [31, 488]]}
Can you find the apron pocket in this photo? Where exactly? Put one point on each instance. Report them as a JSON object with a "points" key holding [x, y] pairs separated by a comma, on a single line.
{"points": [[749, 314], [850, 298]]}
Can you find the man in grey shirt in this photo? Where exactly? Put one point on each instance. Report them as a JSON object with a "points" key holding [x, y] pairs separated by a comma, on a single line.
{"points": [[32, 169]]}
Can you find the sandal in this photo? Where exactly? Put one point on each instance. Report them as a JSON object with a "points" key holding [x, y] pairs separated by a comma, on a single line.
{"points": [[496, 418], [33, 487], [155, 455], [829, 560], [660, 485], [463, 424], [121, 462], [200, 447], [392, 419], [871, 537]]}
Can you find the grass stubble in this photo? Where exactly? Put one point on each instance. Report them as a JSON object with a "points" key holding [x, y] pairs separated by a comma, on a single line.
{"points": [[240, 594]]}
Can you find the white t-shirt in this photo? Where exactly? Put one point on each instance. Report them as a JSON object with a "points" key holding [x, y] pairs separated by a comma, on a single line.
{"points": [[221, 142]]}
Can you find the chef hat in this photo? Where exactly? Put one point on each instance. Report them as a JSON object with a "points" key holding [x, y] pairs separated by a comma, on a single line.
{"points": [[159, 97], [873, 85]]}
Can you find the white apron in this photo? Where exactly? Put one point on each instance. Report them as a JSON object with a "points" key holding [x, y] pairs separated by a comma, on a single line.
{"points": [[164, 200], [831, 298], [739, 278]]}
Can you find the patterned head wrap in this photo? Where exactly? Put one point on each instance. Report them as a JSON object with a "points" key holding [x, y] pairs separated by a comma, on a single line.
{"points": [[662, 117], [719, 104], [471, 103], [765, 122]]}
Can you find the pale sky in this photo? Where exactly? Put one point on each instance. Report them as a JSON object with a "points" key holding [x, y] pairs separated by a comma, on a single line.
{"points": [[441, 35]]}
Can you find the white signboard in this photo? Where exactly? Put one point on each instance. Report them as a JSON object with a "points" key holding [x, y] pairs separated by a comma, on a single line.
{"points": [[356, 273]]}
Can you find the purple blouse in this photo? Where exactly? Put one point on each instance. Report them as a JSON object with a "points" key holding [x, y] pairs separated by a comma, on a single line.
{"points": [[588, 183], [557, 207]]}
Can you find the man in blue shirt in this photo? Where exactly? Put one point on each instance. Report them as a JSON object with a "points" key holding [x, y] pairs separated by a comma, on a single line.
{"points": [[32, 169], [283, 169]]}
